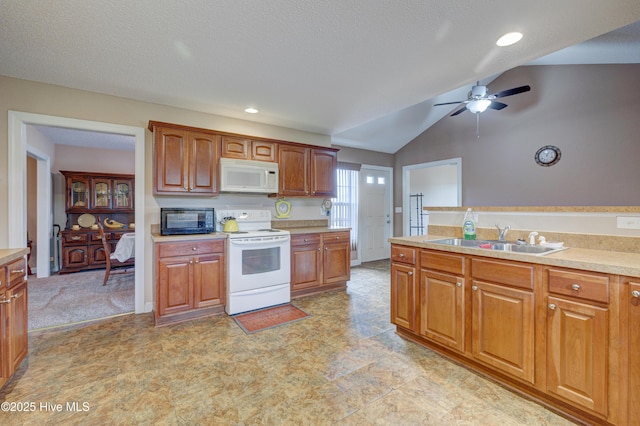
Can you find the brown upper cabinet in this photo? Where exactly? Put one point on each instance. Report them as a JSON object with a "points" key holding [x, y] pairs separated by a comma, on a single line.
{"points": [[185, 162], [307, 172], [248, 149]]}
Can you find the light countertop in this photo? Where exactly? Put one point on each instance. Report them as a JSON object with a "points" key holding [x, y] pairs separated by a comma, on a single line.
{"points": [[157, 238], [9, 255], [610, 262]]}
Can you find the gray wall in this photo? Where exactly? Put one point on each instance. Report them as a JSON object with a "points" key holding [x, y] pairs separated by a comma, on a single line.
{"points": [[362, 156], [592, 113]]}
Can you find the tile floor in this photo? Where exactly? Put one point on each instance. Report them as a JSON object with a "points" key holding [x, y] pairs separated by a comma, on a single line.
{"points": [[343, 365]]}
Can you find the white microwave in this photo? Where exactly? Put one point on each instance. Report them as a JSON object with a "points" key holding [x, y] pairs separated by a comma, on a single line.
{"points": [[248, 176]]}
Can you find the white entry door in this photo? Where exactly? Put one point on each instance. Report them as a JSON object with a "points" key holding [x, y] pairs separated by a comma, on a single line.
{"points": [[375, 213]]}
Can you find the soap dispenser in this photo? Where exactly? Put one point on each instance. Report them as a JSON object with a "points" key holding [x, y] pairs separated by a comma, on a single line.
{"points": [[469, 226]]}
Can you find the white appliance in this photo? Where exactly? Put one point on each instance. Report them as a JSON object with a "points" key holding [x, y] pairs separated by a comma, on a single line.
{"points": [[248, 176], [258, 261]]}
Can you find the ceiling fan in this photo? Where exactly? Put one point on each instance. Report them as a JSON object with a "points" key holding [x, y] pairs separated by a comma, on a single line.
{"points": [[478, 101]]}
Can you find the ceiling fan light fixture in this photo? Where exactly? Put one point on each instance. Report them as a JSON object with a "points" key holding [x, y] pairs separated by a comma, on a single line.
{"points": [[478, 106], [509, 38], [251, 110]]}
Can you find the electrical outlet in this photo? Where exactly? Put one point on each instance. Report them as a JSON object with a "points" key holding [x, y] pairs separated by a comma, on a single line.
{"points": [[398, 210], [628, 222]]}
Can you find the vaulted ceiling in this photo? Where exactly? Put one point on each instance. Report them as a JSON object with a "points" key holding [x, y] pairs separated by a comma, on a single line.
{"points": [[365, 72]]}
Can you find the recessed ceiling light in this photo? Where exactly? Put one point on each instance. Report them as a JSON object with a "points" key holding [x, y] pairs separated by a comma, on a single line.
{"points": [[508, 39], [251, 110]]}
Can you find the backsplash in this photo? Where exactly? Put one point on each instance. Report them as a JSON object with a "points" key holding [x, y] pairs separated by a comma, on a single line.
{"points": [[580, 227]]}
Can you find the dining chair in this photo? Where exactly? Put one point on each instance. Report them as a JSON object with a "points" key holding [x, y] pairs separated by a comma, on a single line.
{"points": [[111, 262]]}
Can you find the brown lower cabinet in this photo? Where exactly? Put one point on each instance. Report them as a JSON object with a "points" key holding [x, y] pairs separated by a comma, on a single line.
{"points": [[568, 338], [13, 317], [320, 262], [190, 280]]}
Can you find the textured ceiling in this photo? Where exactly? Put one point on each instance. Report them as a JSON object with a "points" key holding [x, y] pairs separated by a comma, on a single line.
{"points": [[356, 70]]}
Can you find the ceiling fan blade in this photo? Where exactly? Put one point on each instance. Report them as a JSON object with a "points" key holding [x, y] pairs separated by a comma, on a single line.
{"points": [[459, 111], [513, 91], [497, 105], [449, 103]]}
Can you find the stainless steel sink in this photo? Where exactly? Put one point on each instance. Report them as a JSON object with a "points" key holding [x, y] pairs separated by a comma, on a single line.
{"points": [[498, 246]]}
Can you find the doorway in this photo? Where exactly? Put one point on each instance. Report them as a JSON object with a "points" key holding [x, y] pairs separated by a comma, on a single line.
{"points": [[375, 212], [438, 182], [18, 148]]}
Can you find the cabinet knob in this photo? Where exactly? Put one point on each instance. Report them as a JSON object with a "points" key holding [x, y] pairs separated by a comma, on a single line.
{"points": [[318, 248], [191, 262], [185, 188], [197, 260], [305, 240], [474, 287], [410, 273], [18, 271], [635, 293], [5, 301], [458, 284], [401, 255], [194, 248], [575, 287], [552, 306]]}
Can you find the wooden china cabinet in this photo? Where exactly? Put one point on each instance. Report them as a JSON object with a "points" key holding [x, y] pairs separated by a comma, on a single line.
{"points": [[91, 197]]}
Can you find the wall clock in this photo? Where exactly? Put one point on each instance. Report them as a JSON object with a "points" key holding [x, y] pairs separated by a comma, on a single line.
{"points": [[548, 155], [283, 208]]}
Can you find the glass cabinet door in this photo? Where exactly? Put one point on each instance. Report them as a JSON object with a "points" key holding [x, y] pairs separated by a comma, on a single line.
{"points": [[101, 193], [78, 193], [123, 195]]}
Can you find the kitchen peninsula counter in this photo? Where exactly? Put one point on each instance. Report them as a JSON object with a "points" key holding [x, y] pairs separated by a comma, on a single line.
{"points": [[610, 262], [9, 255]]}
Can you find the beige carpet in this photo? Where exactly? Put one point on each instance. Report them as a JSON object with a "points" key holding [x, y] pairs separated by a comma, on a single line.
{"points": [[71, 298]]}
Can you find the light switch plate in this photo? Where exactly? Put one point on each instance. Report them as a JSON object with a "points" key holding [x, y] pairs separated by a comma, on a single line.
{"points": [[398, 209], [628, 222]]}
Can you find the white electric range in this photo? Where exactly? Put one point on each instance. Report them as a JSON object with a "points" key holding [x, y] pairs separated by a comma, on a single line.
{"points": [[258, 261]]}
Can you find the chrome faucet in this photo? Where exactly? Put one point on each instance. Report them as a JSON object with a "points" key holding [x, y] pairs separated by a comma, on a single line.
{"points": [[502, 233]]}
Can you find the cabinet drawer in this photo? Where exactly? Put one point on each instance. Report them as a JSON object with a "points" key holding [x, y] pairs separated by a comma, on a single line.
{"points": [[305, 240], [16, 272], [187, 248], [517, 275], [334, 237], [75, 238], [579, 284], [403, 254], [452, 263]]}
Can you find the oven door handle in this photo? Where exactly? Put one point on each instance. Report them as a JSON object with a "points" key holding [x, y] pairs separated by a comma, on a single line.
{"points": [[253, 242]]}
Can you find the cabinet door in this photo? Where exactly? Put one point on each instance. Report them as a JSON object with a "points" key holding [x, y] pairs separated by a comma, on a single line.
{"points": [[101, 193], [17, 330], [264, 151], [336, 259], [171, 155], [634, 350], [503, 328], [4, 350], [306, 266], [442, 308], [233, 147], [293, 164], [97, 255], [208, 280], [203, 161], [323, 173], [175, 289], [577, 346], [403, 295], [75, 256], [123, 194], [77, 193]]}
